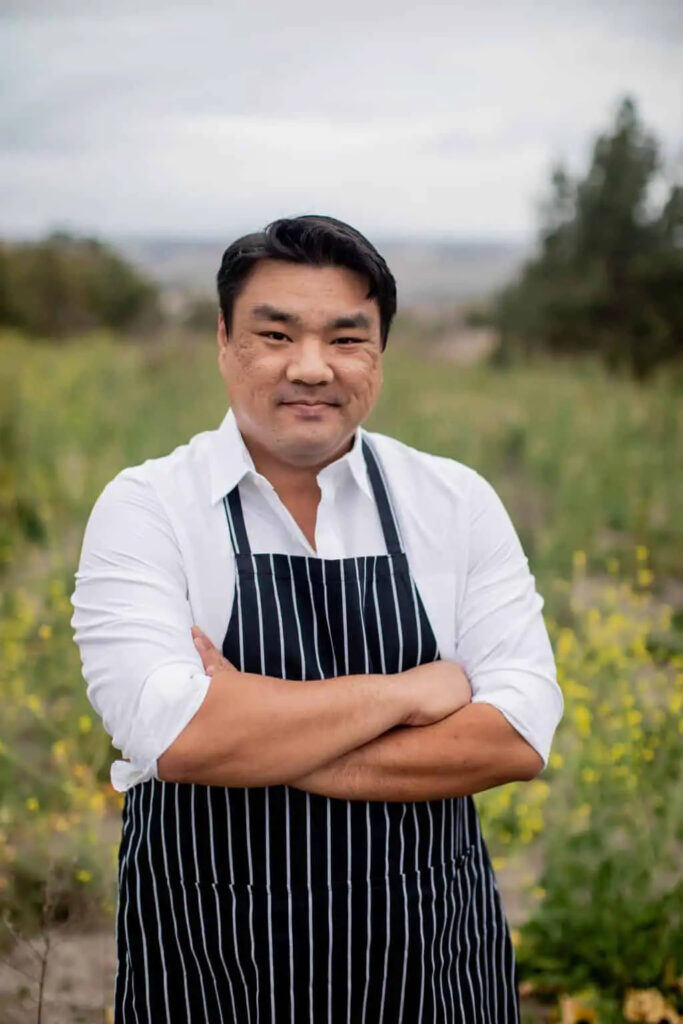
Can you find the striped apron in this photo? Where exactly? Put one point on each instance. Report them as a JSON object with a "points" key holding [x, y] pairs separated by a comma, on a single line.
{"points": [[269, 904]]}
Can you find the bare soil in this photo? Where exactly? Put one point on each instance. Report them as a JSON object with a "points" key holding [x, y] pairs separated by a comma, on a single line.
{"points": [[78, 983], [79, 978]]}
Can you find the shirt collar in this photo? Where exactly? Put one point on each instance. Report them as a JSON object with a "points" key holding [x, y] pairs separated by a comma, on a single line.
{"points": [[230, 460]]}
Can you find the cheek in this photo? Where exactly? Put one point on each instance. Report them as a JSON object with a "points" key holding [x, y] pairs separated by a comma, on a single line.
{"points": [[253, 369], [363, 376], [245, 354]]}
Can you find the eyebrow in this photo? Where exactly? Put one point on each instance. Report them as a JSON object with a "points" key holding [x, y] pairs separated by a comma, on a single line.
{"points": [[351, 320], [266, 312]]}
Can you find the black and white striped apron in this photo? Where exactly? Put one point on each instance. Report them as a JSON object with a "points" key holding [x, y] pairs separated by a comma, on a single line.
{"points": [[270, 904]]}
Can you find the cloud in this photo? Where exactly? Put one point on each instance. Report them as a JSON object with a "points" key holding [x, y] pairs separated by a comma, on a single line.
{"points": [[157, 116]]}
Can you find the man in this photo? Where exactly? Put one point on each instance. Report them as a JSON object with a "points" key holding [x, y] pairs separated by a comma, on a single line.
{"points": [[312, 644]]}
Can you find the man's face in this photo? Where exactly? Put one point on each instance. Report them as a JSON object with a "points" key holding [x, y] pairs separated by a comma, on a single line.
{"points": [[302, 361]]}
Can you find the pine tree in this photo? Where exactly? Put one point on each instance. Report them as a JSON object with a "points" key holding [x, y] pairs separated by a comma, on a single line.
{"points": [[608, 275]]}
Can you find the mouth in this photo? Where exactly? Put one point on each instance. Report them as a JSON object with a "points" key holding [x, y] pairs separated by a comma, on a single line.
{"points": [[307, 410], [307, 404]]}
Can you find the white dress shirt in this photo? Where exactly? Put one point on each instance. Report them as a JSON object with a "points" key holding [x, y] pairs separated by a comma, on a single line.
{"points": [[156, 558]]}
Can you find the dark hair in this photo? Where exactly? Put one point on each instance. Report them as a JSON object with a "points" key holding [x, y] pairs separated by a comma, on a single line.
{"points": [[318, 241]]}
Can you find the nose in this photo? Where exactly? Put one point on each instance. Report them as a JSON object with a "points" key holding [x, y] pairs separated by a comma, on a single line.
{"points": [[309, 364]]}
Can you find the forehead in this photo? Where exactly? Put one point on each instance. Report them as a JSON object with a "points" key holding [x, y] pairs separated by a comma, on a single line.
{"points": [[305, 290]]}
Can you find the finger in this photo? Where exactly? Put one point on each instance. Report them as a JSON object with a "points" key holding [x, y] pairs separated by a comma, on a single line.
{"points": [[207, 652], [212, 659]]}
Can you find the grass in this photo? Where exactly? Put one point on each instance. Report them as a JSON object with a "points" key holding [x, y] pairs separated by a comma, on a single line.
{"points": [[589, 468]]}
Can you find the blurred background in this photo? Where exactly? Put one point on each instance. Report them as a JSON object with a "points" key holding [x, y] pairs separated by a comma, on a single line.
{"points": [[520, 168]]}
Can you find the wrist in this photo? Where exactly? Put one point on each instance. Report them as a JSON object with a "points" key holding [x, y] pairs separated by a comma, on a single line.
{"points": [[404, 694]]}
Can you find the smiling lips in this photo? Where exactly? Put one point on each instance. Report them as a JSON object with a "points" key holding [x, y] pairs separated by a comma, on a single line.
{"points": [[309, 404], [310, 410]]}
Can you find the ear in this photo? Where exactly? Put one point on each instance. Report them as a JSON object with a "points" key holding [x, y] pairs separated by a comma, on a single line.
{"points": [[222, 332]]}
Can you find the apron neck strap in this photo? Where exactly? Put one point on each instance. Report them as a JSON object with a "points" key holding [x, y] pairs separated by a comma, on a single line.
{"points": [[387, 516], [236, 526], [385, 508]]}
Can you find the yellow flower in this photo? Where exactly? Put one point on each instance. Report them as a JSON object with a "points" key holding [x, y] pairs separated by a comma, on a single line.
{"points": [[582, 814], [648, 1004], [498, 862], [83, 876], [579, 560], [582, 719], [45, 631], [565, 642], [576, 1011], [85, 723], [641, 552], [556, 760], [32, 804], [589, 775], [540, 789], [638, 647], [97, 802], [676, 702], [665, 615], [59, 751], [645, 577]]}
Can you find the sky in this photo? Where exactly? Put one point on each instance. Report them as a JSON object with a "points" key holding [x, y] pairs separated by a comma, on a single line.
{"points": [[431, 120]]}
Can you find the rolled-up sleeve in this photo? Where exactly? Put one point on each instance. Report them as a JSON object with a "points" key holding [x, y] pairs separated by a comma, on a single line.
{"points": [[502, 640], [131, 621]]}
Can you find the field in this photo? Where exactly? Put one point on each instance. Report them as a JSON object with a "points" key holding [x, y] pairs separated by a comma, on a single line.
{"points": [[589, 466]]}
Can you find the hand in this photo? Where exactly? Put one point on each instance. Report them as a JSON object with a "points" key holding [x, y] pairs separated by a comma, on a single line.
{"points": [[437, 689], [212, 659]]}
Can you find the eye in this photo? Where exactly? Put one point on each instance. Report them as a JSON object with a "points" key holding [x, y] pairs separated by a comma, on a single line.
{"points": [[274, 335], [347, 340]]}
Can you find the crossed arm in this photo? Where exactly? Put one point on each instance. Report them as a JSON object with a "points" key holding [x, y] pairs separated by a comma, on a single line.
{"points": [[473, 749], [132, 622]]}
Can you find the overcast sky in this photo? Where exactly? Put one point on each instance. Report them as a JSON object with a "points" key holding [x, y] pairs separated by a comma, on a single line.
{"points": [[203, 118]]}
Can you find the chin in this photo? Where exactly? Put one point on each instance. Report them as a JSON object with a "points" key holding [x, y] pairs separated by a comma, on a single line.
{"points": [[310, 441]]}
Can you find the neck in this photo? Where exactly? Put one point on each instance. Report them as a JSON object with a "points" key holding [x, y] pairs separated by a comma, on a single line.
{"points": [[288, 478]]}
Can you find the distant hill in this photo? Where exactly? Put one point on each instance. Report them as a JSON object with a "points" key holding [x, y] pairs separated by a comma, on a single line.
{"points": [[429, 273]]}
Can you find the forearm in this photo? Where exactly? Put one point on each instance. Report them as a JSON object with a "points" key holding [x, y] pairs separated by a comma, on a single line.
{"points": [[254, 730], [471, 750]]}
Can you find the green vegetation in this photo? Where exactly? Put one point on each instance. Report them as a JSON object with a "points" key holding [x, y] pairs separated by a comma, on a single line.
{"points": [[63, 284], [575, 420], [609, 271], [586, 464]]}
